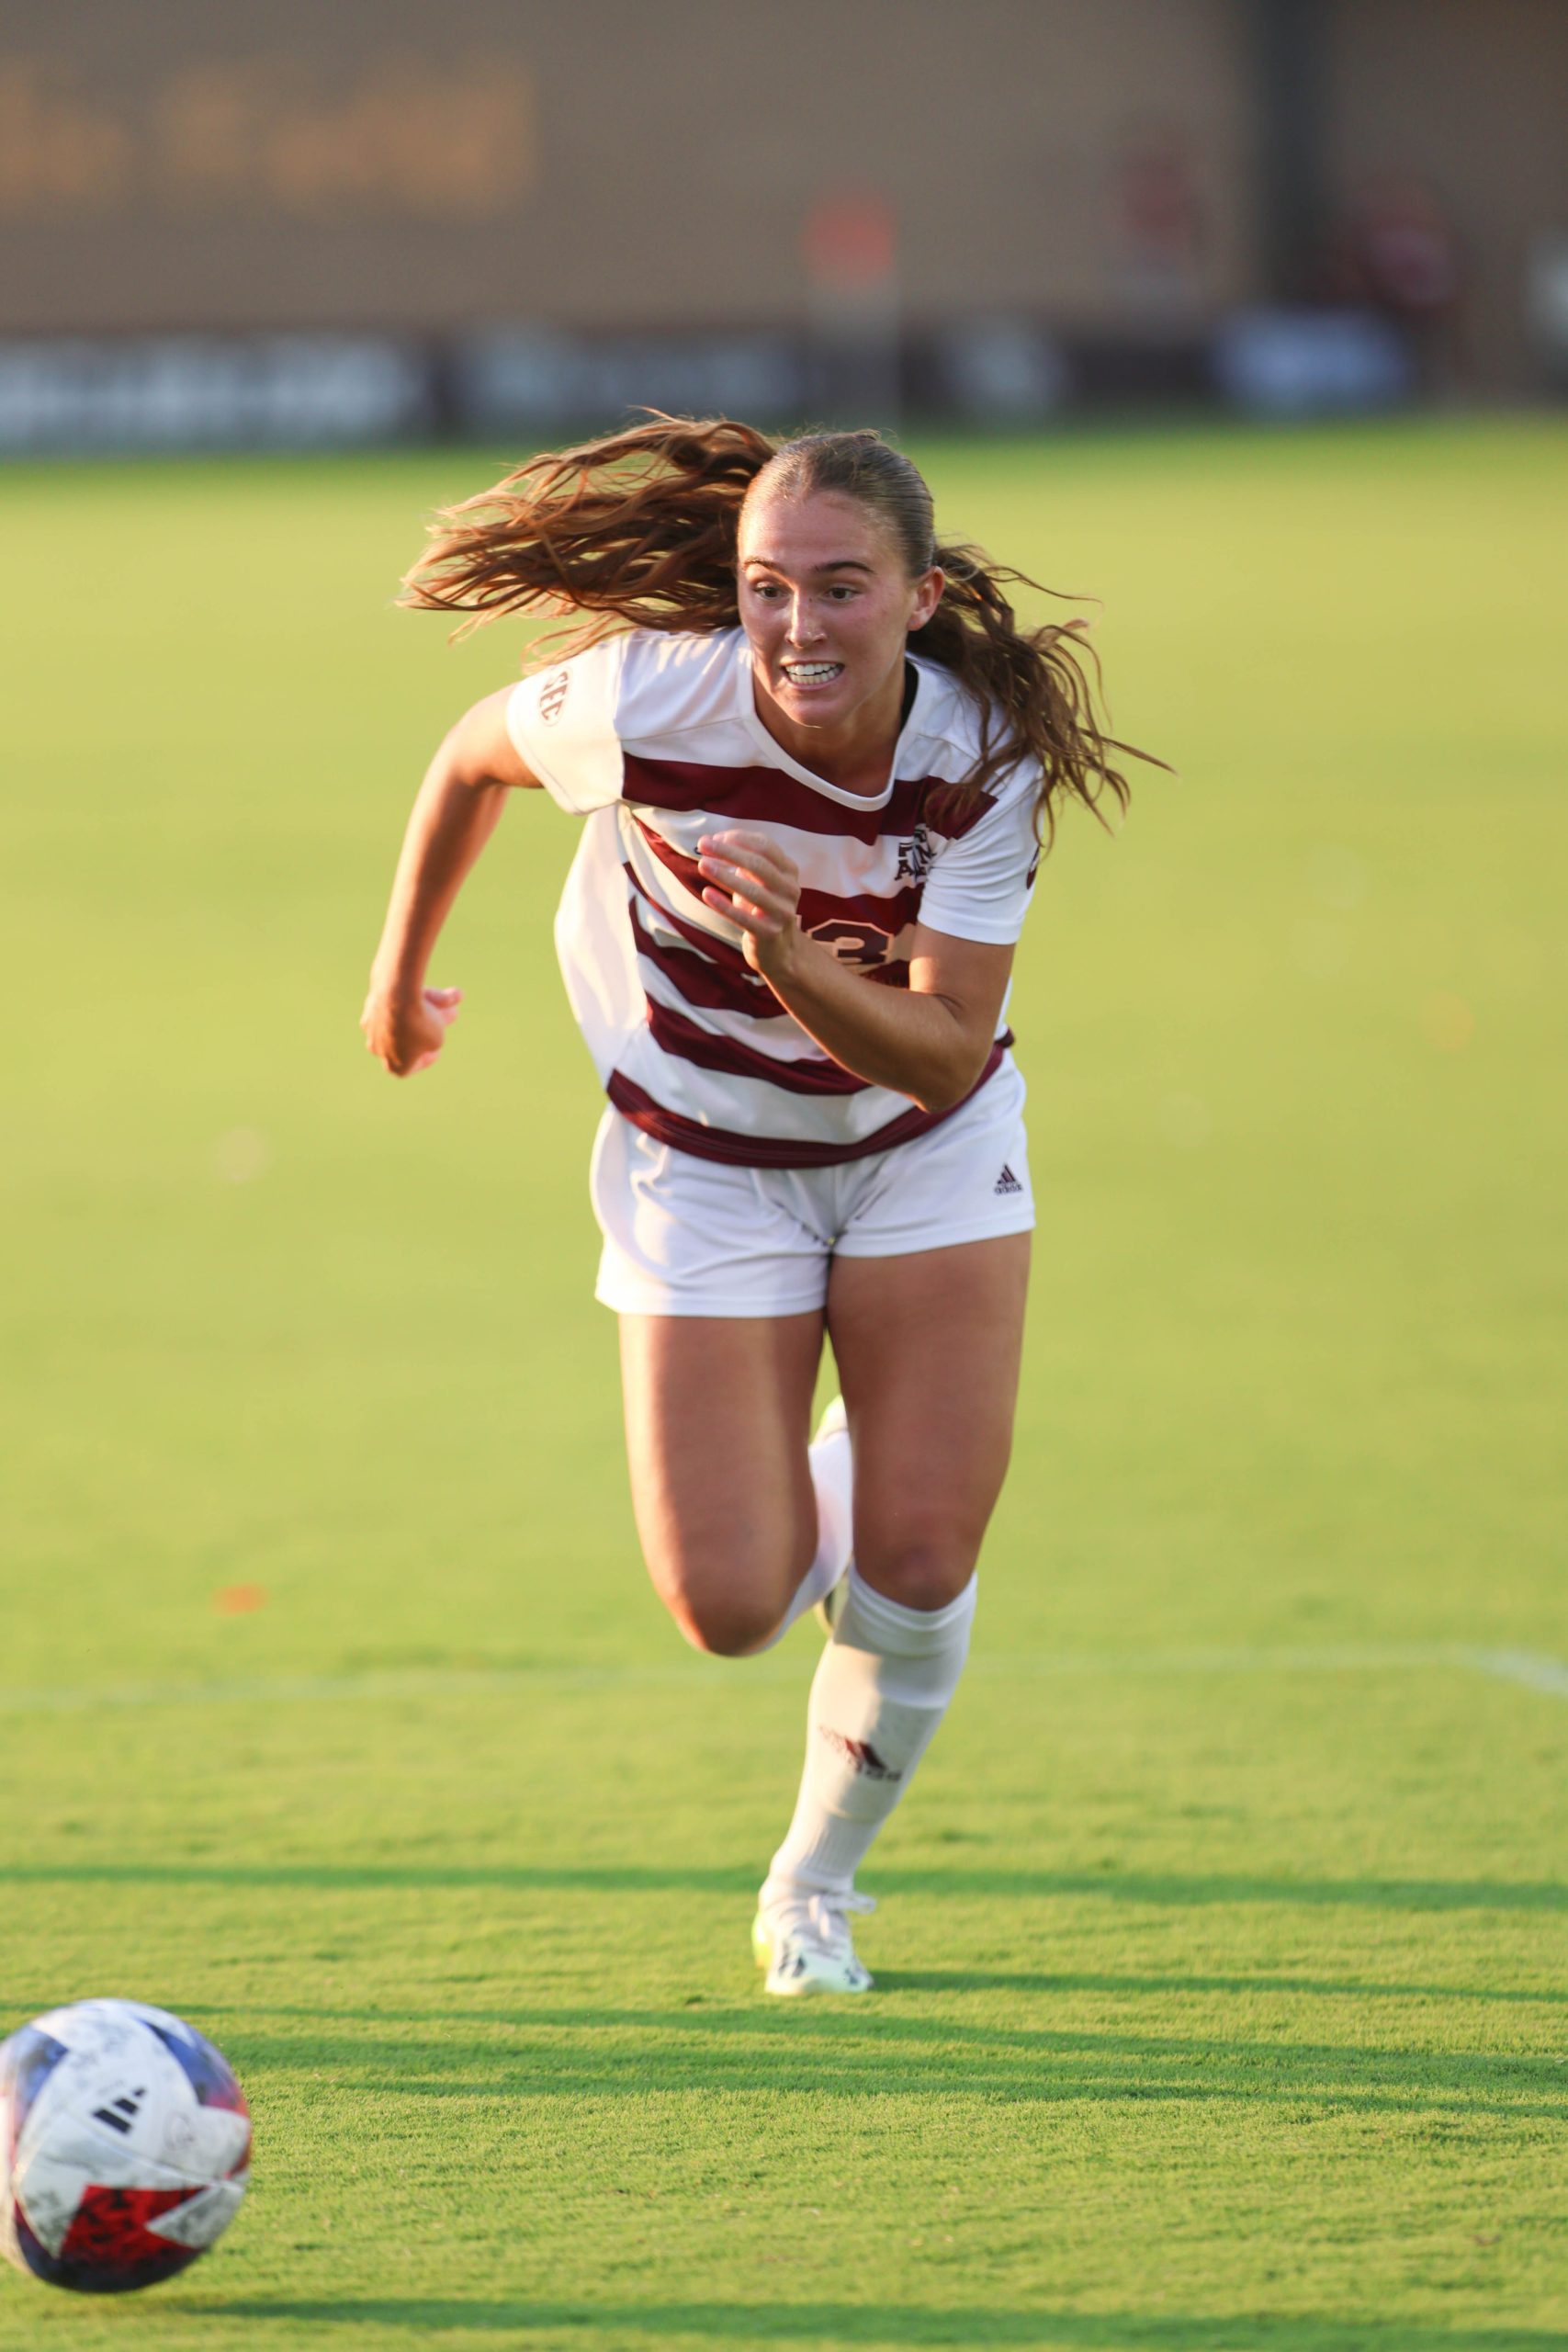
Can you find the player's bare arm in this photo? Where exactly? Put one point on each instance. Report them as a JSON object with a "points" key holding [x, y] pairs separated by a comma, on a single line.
{"points": [[929, 1041], [458, 808]]}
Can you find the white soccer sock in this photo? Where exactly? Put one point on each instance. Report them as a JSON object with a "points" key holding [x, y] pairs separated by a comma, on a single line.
{"points": [[882, 1689], [832, 1476]]}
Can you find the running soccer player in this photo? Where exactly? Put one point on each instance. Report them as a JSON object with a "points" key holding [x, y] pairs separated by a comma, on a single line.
{"points": [[815, 757]]}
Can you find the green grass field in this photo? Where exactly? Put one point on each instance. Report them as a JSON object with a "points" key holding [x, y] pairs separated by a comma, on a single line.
{"points": [[1223, 1994]]}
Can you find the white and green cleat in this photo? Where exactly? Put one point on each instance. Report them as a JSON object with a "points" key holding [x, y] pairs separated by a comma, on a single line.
{"points": [[803, 1943]]}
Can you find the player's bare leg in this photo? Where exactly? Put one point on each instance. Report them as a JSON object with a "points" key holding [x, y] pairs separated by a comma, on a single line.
{"points": [[928, 1348], [717, 1418]]}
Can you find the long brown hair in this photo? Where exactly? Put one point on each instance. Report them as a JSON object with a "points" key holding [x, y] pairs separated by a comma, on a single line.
{"points": [[638, 529]]}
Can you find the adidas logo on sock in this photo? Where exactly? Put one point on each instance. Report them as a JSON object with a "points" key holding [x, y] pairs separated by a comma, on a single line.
{"points": [[1007, 1182], [859, 1753]]}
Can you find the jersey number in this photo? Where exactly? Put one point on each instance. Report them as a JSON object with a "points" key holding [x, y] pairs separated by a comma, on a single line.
{"points": [[853, 942]]}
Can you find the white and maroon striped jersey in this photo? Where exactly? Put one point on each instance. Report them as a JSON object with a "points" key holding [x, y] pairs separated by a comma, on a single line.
{"points": [[655, 739]]}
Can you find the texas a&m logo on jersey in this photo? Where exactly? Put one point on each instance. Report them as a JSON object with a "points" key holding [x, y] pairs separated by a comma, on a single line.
{"points": [[915, 857], [553, 694]]}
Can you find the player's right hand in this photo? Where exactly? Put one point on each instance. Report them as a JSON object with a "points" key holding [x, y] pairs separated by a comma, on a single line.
{"points": [[406, 1034]]}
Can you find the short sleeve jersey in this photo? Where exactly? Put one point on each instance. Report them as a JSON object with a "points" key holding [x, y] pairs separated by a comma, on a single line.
{"points": [[654, 738]]}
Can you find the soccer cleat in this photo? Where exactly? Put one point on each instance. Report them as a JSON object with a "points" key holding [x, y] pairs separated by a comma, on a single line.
{"points": [[804, 1945], [835, 1423]]}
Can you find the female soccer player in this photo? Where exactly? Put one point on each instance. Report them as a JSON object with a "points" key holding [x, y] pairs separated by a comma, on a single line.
{"points": [[815, 758]]}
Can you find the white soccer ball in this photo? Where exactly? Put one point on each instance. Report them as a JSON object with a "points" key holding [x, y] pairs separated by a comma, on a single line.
{"points": [[125, 2146]]}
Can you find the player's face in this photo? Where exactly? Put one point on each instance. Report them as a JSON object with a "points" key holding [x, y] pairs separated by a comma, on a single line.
{"points": [[827, 604]]}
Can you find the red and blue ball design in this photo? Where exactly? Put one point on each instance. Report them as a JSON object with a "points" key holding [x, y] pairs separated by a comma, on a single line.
{"points": [[125, 2146]]}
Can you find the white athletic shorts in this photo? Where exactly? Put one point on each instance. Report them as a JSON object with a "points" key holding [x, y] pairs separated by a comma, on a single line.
{"points": [[685, 1236]]}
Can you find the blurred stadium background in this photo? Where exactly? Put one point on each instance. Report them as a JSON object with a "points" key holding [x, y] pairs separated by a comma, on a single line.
{"points": [[362, 222]]}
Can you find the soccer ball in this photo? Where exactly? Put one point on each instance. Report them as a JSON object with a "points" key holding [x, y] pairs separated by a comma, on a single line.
{"points": [[125, 2143]]}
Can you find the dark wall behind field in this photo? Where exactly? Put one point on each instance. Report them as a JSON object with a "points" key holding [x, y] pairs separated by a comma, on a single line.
{"points": [[1470, 98], [198, 164]]}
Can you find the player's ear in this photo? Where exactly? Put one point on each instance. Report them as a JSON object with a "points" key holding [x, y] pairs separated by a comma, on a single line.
{"points": [[928, 597]]}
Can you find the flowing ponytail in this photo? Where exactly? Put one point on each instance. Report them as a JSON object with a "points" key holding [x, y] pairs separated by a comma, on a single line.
{"points": [[638, 530]]}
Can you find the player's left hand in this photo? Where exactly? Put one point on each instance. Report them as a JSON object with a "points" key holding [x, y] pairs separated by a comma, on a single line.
{"points": [[751, 881]]}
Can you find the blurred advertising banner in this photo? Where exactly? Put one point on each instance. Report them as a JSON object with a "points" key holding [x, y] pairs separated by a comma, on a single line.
{"points": [[138, 392], [185, 392]]}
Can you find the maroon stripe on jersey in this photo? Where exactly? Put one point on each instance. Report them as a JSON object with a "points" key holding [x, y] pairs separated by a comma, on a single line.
{"points": [[811, 1074], [888, 916], [727, 957], [954, 810], [686, 870], [700, 981], [767, 796], [775, 1152]]}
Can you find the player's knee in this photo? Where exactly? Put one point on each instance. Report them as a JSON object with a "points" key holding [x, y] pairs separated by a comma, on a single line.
{"points": [[728, 1605], [728, 1591], [922, 1572], [725, 1625]]}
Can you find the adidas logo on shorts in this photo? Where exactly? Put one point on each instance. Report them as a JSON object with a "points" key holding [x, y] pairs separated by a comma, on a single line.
{"points": [[1007, 1182]]}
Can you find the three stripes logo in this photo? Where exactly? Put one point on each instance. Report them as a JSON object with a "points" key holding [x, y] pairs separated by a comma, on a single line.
{"points": [[1007, 1182], [120, 2113], [552, 697], [859, 1755]]}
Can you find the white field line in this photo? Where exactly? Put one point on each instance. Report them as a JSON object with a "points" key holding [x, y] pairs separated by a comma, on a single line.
{"points": [[1529, 1667], [413, 1682], [1537, 1672], [1345, 1657]]}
